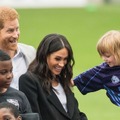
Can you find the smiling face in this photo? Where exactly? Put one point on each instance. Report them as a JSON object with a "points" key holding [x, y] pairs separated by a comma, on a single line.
{"points": [[9, 35], [109, 59], [6, 74], [57, 60]]}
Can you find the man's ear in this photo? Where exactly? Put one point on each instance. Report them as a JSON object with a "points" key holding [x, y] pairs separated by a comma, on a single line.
{"points": [[19, 118]]}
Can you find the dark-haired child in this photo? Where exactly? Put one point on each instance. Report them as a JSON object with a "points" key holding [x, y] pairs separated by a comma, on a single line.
{"points": [[8, 94]]}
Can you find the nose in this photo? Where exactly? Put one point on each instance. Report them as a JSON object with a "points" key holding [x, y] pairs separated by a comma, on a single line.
{"points": [[16, 34], [9, 75], [61, 64]]}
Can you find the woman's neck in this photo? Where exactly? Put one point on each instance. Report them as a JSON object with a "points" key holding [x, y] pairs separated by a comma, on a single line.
{"points": [[55, 81]]}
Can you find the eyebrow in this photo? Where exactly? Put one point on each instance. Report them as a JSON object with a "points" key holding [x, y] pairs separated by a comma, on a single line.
{"points": [[7, 116]]}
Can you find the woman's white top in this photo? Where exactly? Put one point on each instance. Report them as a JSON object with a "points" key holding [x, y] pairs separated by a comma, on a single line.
{"points": [[59, 91]]}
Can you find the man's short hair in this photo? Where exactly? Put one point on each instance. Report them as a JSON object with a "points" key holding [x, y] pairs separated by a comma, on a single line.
{"points": [[7, 14]]}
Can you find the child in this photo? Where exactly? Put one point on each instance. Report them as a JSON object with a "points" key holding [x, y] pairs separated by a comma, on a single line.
{"points": [[107, 75], [8, 111], [8, 94]]}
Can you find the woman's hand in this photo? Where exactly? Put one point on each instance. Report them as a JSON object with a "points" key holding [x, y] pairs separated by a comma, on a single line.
{"points": [[72, 83]]}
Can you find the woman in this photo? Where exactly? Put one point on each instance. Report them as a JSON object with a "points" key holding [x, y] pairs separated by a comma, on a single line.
{"points": [[47, 82]]}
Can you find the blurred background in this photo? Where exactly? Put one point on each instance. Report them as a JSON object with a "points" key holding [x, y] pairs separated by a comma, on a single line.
{"points": [[54, 3], [83, 22]]}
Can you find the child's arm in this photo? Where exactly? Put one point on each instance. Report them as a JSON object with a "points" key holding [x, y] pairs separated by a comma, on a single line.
{"points": [[89, 81]]}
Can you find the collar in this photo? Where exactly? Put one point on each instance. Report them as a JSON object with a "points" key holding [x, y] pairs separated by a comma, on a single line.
{"points": [[17, 53]]}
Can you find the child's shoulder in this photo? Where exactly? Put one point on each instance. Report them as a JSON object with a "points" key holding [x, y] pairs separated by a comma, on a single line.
{"points": [[103, 65], [15, 91]]}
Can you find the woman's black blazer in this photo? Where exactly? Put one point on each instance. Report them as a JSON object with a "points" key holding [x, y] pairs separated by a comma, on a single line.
{"points": [[48, 106]]}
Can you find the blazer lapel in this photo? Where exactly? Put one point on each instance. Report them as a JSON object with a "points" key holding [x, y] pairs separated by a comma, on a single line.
{"points": [[70, 104], [55, 101]]}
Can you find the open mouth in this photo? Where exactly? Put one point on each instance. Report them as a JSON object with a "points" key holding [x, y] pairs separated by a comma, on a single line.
{"points": [[8, 82], [58, 68], [13, 41]]}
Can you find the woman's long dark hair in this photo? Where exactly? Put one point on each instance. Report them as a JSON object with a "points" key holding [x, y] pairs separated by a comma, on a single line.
{"points": [[52, 43]]}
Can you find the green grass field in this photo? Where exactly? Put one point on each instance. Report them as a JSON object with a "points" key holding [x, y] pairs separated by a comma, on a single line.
{"points": [[83, 27]]}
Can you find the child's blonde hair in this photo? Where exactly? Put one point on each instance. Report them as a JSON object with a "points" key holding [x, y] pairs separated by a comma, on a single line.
{"points": [[6, 14], [110, 43]]}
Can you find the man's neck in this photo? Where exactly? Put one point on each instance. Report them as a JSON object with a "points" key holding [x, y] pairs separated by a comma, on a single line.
{"points": [[11, 53]]}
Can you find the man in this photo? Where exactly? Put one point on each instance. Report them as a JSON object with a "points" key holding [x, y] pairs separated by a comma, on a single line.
{"points": [[21, 54]]}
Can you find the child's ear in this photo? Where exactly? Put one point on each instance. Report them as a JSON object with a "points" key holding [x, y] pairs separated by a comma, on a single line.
{"points": [[19, 118]]}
